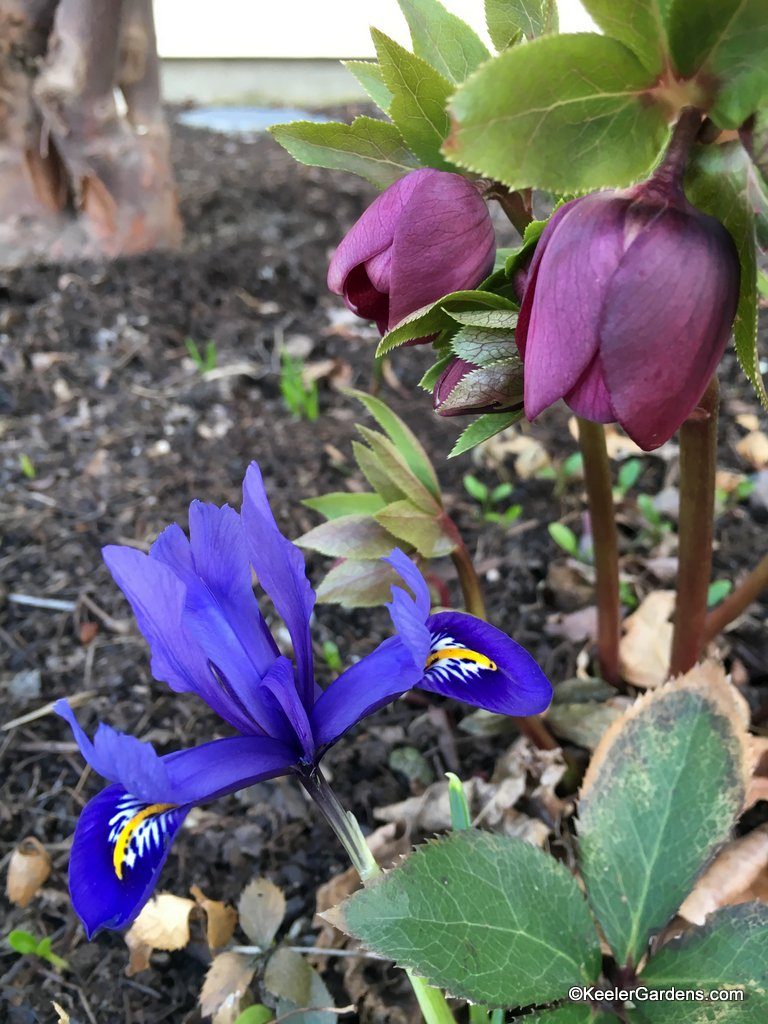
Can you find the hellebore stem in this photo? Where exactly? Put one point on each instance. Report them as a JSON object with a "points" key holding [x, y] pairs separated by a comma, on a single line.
{"points": [[431, 1001], [698, 454], [671, 171], [516, 205], [738, 601], [605, 541], [474, 603]]}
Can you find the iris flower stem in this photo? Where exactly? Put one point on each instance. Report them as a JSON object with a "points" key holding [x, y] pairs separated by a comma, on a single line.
{"points": [[698, 456], [605, 541], [737, 602], [431, 1001], [474, 603]]}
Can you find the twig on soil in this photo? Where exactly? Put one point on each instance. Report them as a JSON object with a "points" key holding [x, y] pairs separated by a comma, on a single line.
{"points": [[121, 626], [75, 701], [53, 604], [313, 951]]}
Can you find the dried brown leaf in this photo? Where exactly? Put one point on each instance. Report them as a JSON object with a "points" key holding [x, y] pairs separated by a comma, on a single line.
{"points": [[226, 982], [162, 924], [28, 871], [739, 874], [61, 1013], [221, 919], [753, 448], [646, 645], [261, 907]]}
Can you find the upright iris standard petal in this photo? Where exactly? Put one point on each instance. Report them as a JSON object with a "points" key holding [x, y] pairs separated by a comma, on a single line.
{"points": [[280, 568], [474, 662], [428, 234]]}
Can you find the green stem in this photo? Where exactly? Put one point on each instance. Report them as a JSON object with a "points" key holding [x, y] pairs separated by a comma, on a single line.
{"points": [[698, 455], [737, 602], [605, 541], [432, 1002]]}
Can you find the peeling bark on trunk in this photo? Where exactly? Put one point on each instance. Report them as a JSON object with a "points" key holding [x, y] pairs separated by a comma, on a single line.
{"points": [[79, 176]]}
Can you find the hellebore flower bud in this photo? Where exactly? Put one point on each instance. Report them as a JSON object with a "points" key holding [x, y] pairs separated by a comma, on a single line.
{"points": [[628, 308], [465, 388], [427, 235]]}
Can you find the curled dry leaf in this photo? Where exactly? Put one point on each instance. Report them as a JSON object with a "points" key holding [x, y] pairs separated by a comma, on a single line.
{"points": [[162, 924], [738, 874], [28, 870], [221, 919], [758, 784], [225, 985], [645, 648], [61, 1014], [261, 907], [753, 448]]}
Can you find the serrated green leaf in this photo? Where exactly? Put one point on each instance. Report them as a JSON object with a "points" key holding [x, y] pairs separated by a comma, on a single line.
{"points": [[506, 19], [660, 796], [368, 73], [494, 319], [724, 42], [354, 536], [432, 375], [419, 98], [497, 384], [483, 346], [421, 530], [403, 438], [468, 914], [443, 40], [718, 183], [375, 474], [563, 113], [484, 427], [394, 464], [729, 951], [639, 24], [358, 584], [345, 503], [435, 317], [371, 148]]}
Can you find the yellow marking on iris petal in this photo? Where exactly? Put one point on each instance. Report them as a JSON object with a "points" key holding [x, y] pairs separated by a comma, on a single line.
{"points": [[126, 833], [463, 654]]}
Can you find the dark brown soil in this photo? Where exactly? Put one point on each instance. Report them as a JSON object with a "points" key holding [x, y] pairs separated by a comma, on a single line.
{"points": [[97, 391]]}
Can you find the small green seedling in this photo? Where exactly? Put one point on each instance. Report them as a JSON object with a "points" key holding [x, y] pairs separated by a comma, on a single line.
{"points": [[564, 474], [332, 656], [26, 944], [489, 497], [726, 500], [301, 399], [565, 538], [205, 360], [457, 798], [629, 473], [656, 525], [718, 591], [27, 467], [627, 595]]}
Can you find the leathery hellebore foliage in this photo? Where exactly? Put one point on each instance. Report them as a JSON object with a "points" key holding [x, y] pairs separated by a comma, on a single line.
{"points": [[195, 606]]}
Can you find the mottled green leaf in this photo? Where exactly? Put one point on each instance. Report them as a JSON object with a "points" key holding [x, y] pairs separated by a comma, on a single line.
{"points": [[719, 183], [363, 584], [435, 317], [398, 471], [488, 918], [484, 347], [345, 503], [485, 426], [368, 73], [495, 319], [563, 113], [497, 384], [507, 19], [660, 796], [353, 536], [371, 148], [443, 40], [403, 438], [423, 531], [419, 98], [729, 951], [639, 24], [725, 44]]}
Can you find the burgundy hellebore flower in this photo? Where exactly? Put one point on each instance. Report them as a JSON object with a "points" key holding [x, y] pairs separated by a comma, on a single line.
{"points": [[628, 308], [427, 235]]}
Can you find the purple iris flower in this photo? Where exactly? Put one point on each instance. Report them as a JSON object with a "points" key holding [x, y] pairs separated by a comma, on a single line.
{"points": [[194, 604], [427, 235]]}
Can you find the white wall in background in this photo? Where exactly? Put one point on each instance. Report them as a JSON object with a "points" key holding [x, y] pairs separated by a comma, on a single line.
{"points": [[302, 28]]}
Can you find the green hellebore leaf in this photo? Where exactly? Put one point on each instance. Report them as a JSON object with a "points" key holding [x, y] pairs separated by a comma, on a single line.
{"points": [[368, 73], [589, 124], [432, 375], [419, 98], [353, 536], [443, 40], [421, 530], [369, 147], [397, 470], [362, 584], [435, 317], [659, 797], [725, 43], [718, 183], [506, 19], [493, 319], [485, 426], [484, 347], [403, 438], [494, 384], [729, 951], [468, 914], [345, 503], [639, 24]]}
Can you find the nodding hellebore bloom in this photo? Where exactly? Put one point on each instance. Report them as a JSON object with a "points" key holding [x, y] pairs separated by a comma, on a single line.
{"points": [[628, 308], [427, 235], [194, 603]]}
